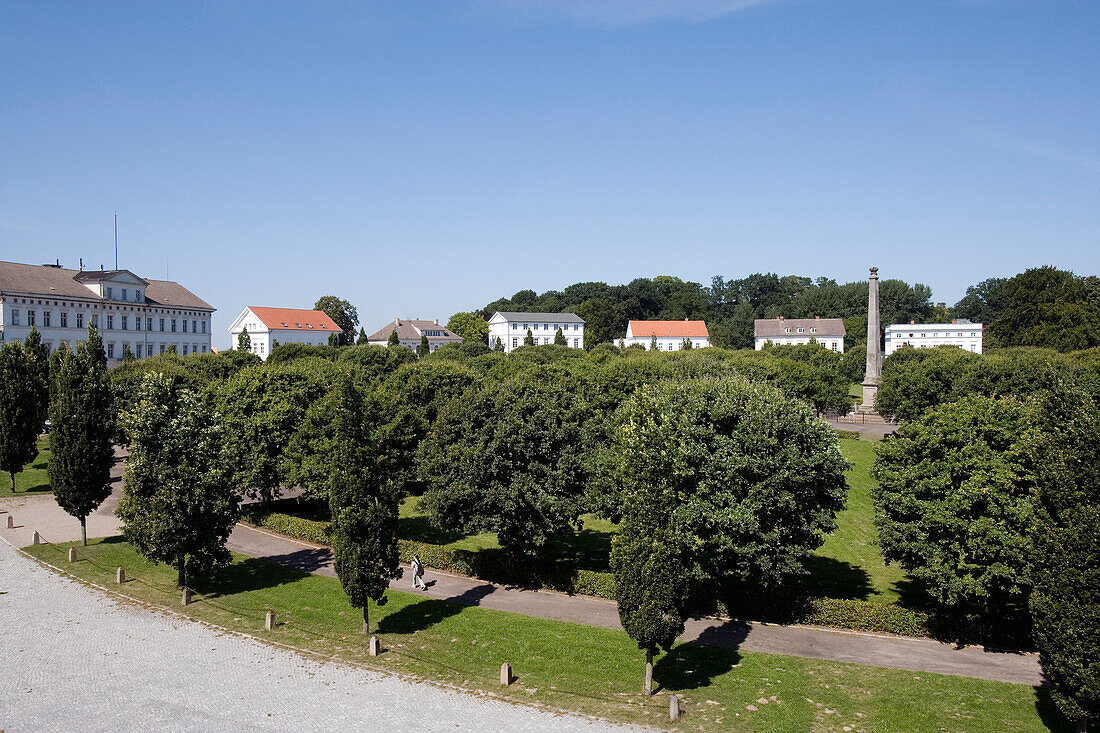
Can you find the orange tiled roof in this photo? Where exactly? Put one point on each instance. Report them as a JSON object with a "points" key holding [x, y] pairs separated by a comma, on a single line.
{"points": [[666, 329], [294, 319]]}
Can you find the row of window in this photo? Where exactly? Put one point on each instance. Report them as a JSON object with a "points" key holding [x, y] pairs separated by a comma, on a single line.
{"points": [[546, 340], [123, 321], [973, 334], [117, 351], [546, 327], [108, 293]]}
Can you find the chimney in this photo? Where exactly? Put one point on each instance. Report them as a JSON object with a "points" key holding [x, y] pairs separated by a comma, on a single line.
{"points": [[817, 318], [912, 323], [953, 320], [437, 321]]}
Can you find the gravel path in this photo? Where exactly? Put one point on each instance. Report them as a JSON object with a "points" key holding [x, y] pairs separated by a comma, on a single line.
{"points": [[76, 659]]}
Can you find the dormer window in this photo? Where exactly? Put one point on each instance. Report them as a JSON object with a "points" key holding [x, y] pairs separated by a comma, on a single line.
{"points": [[800, 330], [786, 330]]}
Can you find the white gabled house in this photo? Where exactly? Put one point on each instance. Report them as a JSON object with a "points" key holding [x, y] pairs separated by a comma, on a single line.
{"points": [[511, 328], [828, 332], [284, 325], [670, 335]]}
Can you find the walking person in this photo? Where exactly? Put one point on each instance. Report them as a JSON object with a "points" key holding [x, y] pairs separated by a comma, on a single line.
{"points": [[418, 574]]}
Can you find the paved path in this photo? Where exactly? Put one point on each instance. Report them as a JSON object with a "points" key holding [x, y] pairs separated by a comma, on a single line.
{"points": [[867, 431], [920, 655], [75, 659]]}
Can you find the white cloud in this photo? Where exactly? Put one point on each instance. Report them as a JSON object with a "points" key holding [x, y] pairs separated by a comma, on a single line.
{"points": [[624, 12]]}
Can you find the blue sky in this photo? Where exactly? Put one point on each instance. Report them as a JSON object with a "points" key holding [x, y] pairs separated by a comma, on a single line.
{"points": [[419, 158]]}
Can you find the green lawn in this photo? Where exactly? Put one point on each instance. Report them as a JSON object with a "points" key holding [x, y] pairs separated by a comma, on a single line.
{"points": [[575, 667], [33, 479]]}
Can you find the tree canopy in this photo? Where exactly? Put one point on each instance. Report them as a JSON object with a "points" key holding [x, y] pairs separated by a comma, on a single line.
{"points": [[471, 326], [343, 313]]}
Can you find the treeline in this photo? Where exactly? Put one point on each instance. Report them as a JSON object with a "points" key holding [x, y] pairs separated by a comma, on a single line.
{"points": [[1043, 306]]}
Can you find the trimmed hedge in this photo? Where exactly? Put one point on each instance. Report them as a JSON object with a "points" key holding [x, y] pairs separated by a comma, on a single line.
{"points": [[491, 565], [849, 434]]}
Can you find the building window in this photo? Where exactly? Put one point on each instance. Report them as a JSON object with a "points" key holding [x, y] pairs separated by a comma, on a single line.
{"points": [[30, 318], [148, 324], [515, 343], [64, 319], [185, 325], [162, 348], [46, 318], [576, 343], [137, 296], [137, 323], [110, 351], [515, 326], [173, 325], [110, 293], [261, 347], [125, 322], [80, 320], [800, 330], [110, 322], [95, 320], [162, 325], [139, 351], [124, 294], [15, 318], [194, 326], [185, 349]]}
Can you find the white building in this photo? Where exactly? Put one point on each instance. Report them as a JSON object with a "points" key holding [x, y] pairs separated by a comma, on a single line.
{"points": [[829, 332], [409, 333], [670, 335], [961, 333], [512, 327], [283, 325], [145, 316]]}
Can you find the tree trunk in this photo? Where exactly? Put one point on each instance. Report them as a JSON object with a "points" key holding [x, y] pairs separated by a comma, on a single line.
{"points": [[13, 482], [1082, 725], [181, 576], [84, 531], [648, 689], [366, 621]]}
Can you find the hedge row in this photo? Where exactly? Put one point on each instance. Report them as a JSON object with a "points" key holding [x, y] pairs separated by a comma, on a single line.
{"points": [[491, 565], [851, 434]]}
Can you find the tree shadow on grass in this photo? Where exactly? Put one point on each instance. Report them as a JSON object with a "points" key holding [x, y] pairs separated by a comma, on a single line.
{"points": [[249, 575], [1049, 713], [419, 528], [587, 549], [835, 579], [696, 664], [424, 614]]}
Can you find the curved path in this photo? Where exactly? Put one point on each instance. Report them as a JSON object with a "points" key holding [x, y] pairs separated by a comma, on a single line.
{"points": [[76, 659], [918, 655]]}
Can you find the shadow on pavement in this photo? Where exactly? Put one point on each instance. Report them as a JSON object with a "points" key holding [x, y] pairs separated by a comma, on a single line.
{"points": [[309, 560]]}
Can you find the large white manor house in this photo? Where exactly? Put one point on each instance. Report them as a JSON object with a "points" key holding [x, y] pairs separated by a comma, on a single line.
{"points": [[144, 316]]}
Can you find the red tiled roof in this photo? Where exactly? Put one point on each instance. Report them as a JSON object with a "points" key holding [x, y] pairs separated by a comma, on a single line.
{"points": [[666, 329], [294, 319]]}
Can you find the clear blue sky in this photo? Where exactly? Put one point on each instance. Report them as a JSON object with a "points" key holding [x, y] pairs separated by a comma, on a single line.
{"points": [[420, 158]]}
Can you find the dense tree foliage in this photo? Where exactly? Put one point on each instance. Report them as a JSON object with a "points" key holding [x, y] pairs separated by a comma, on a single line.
{"points": [[507, 458], [470, 326], [244, 341], [20, 411], [1065, 602], [178, 502], [81, 422], [362, 501], [343, 313], [954, 504]]}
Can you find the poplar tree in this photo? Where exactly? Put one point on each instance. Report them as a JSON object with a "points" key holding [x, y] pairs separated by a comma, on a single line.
{"points": [[363, 504], [20, 416], [559, 338], [653, 343], [38, 359], [244, 341], [362, 337], [529, 339], [393, 340], [423, 348], [499, 345], [178, 501], [81, 429]]}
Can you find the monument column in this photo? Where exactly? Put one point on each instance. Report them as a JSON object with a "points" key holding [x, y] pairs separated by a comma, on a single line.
{"points": [[873, 376]]}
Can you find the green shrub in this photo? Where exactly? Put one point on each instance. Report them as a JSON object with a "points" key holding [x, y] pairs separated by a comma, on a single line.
{"points": [[847, 434]]}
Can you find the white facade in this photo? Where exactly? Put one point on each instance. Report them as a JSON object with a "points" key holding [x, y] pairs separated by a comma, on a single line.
{"points": [[962, 333], [827, 332], [146, 317], [512, 327], [410, 332], [670, 334], [266, 326]]}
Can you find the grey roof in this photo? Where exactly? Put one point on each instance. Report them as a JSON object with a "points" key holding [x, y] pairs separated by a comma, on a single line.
{"points": [[406, 331], [555, 317], [768, 327], [51, 281]]}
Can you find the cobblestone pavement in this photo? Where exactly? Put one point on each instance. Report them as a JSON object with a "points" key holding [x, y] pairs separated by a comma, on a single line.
{"points": [[76, 659]]}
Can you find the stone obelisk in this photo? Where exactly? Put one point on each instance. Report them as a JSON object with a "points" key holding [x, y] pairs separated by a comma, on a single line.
{"points": [[873, 377]]}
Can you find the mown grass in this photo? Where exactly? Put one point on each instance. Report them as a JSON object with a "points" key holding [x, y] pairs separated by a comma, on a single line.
{"points": [[575, 667], [33, 479]]}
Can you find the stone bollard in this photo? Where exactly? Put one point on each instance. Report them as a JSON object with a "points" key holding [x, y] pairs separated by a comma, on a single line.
{"points": [[505, 674], [186, 596], [375, 647], [673, 707], [120, 576], [36, 539], [269, 620], [72, 554], [11, 522]]}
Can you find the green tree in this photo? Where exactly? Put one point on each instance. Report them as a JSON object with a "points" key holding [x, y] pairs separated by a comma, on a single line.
{"points": [[178, 503], [498, 345], [363, 505], [393, 340], [750, 477], [653, 346], [508, 458], [559, 338], [362, 340], [20, 414], [423, 349], [343, 313], [1065, 600], [647, 554], [471, 326], [1048, 307], [529, 339], [244, 341], [953, 506], [686, 345], [172, 350], [81, 428], [38, 358], [127, 355], [914, 380]]}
